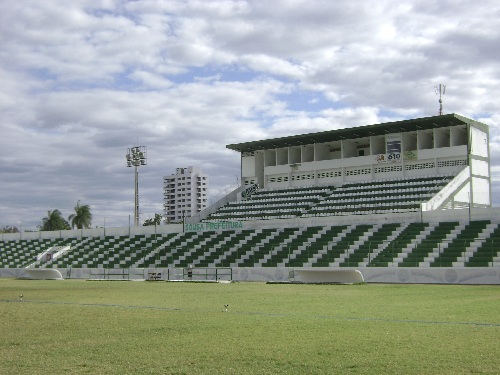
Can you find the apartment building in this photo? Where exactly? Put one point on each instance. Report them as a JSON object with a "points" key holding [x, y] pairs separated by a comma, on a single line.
{"points": [[184, 193]]}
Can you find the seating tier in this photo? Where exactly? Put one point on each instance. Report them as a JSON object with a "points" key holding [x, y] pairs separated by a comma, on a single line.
{"points": [[372, 197], [445, 244]]}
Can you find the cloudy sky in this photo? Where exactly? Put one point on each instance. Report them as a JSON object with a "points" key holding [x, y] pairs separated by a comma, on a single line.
{"points": [[83, 80]]}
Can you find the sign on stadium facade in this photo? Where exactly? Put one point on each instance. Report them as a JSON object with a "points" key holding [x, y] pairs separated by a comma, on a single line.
{"points": [[197, 227]]}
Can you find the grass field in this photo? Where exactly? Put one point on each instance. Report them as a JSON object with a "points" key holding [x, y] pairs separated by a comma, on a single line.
{"points": [[99, 327]]}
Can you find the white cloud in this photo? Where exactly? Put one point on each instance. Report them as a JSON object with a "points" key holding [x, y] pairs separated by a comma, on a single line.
{"points": [[84, 80]]}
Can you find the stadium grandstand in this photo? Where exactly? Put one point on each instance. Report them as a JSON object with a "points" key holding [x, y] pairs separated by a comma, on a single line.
{"points": [[404, 202]]}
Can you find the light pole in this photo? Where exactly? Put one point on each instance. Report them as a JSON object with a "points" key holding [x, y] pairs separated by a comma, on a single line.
{"points": [[136, 156]]}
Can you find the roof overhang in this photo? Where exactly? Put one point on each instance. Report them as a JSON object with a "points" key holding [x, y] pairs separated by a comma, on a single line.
{"points": [[403, 126]]}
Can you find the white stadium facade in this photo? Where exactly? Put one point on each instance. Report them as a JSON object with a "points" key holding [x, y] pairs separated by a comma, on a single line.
{"points": [[400, 202]]}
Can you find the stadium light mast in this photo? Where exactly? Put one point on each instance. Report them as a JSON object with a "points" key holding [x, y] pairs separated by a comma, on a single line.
{"points": [[136, 156], [440, 91]]}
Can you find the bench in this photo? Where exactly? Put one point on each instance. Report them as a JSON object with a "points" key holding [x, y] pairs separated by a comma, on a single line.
{"points": [[154, 276]]}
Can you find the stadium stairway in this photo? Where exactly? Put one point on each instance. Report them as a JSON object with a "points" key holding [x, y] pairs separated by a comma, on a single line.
{"points": [[23, 253], [444, 244], [262, 245], [318, 251], [272, 204], [432, 241], [371, 245], [234, 246], [349, 237], [297, 248], [458, 244], [359, 198], [402, 243], [488, 249]]}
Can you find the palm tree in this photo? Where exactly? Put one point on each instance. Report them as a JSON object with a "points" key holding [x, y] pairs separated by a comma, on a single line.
{"points": [[155, 221], [54, 221], [82, 218]]}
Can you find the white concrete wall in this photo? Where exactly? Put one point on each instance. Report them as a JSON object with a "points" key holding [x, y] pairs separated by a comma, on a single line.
{"points": [[97, 232], [463, 215], [402, 275]]}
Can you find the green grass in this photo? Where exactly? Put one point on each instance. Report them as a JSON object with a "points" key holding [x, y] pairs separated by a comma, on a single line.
{"points": [[99, 327]]}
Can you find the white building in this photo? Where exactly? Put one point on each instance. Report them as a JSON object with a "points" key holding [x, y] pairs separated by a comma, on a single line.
{"points": [[184, 193]]}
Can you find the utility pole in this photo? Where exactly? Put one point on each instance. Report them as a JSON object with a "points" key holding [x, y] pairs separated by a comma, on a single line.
{"points": [[440, 91]]}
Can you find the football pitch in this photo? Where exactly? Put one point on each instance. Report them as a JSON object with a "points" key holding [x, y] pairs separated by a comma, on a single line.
{"points": [[115, 327]]}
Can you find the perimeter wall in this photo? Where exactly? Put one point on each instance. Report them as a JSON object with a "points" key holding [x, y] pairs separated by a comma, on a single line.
{"points": [[463, 215], [454, 275], [473, 276]]}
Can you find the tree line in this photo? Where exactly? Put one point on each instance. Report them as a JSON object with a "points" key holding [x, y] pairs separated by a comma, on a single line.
{"points": [[80, 219]]}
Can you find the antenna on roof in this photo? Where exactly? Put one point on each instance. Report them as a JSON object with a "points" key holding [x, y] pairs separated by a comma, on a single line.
{"points": [[440, 90]]}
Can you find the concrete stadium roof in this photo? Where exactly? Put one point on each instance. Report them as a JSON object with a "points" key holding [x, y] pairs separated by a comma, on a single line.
{"points": [[354, 133]]}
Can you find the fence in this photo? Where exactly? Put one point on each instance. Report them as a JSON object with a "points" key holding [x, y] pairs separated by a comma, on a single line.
{"points": [[191, 274], [107, 274]]}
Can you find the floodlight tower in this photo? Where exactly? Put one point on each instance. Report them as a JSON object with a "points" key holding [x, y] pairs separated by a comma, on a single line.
{"points": [[136, 156]]}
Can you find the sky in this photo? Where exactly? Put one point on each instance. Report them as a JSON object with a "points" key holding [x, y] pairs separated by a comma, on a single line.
{"points": [[83, 80]]}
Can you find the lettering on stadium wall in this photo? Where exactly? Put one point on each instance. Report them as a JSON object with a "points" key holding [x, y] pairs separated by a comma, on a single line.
{"points": [[213, 226], [396, 156]]}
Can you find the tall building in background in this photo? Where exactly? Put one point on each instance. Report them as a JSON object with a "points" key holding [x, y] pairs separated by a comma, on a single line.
{"points": [[184, 193]]}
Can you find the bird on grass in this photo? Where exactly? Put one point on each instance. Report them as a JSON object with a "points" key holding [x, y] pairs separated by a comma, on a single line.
{"points": [[21, 298], [226, 306]]}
